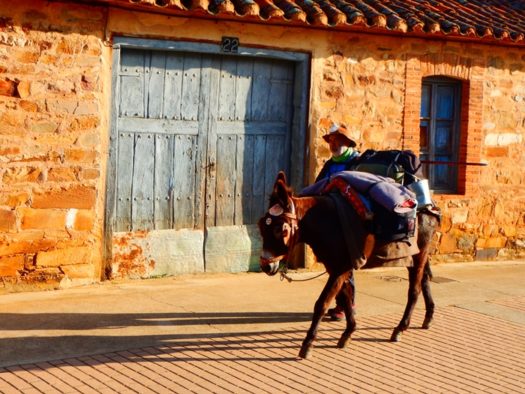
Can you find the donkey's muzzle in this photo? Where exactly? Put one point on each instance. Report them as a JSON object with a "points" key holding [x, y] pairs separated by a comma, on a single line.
{"points": [[271, 265]]}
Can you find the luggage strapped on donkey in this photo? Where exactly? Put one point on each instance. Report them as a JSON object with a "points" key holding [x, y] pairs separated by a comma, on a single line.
{"points": [[403, 166]]}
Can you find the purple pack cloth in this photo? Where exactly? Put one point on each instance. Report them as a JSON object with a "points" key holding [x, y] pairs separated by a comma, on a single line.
{"points": [[382, 190], [315, 188]]}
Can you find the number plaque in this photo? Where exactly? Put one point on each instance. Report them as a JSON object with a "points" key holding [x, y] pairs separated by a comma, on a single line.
{"points": [[230, 44]]}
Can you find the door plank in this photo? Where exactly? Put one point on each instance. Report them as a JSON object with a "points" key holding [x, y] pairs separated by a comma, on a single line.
{"points": [[163, 181], [238, 197], [132, 84], [259, 176], [155, 84], [274, 149], [243, 93], [143, 170], [226, 178], [184, 182], [173, 86], [131, 102], [204, 158], [226, 110], [191, 87], [210, 167], [261, 90], [281, 87], [247, 155], [124, 181]]}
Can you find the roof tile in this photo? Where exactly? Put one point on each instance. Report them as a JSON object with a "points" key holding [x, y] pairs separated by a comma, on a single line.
{"points": [[222, 7], [291, 10], [502, 20]]}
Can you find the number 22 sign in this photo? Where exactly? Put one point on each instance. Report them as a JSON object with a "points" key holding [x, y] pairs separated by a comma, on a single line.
{"points": [[230, 44]]}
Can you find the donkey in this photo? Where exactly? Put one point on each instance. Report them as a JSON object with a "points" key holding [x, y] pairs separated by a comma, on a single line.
{"points": [[314, 220]]}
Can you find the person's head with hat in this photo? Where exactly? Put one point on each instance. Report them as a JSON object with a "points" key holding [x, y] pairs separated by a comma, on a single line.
{"points": [[340, 141]]}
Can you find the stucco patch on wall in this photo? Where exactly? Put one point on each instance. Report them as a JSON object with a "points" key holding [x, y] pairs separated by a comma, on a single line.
{"points": [[144, 254], [503, 139]]}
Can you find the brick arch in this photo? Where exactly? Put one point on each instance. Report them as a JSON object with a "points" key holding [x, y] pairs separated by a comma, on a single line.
{"points": [[470, 75]]}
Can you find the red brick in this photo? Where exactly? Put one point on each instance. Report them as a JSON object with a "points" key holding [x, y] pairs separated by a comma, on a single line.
{"points": [[497, 152], [89, 173], [7, 220], [78, 271], [69, 47], [48, 58], [23, 89], [62, 174], [80, 155], [11, 118], [9, 150], [448, 243], [44, 127], [10, 265], [84, 220], [84, 123], [33, 244], [7, 87], [33, 219], [82, 197], [67, 256], [22, 175], [29, 106], [14, 200], [25, 56]]}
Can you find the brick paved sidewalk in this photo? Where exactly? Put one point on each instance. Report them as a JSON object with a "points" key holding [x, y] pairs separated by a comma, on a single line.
{"points": [[463, 352]]}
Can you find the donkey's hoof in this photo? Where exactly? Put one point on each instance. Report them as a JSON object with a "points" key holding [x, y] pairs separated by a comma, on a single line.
{"points": [[427, 323], [305, 353], [396, 334], [343, 341]]}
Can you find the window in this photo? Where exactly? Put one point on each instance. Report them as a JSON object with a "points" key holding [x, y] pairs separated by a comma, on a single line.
{"points": [[439, 132]]}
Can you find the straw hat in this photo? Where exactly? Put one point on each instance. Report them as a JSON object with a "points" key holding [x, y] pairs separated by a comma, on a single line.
{"points": [[337, 129]]}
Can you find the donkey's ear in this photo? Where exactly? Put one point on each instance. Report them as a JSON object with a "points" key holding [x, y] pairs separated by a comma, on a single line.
{"points": [[281, 192], [281, 176]]}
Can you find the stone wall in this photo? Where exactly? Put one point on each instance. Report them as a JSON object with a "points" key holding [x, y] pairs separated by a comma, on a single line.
{"points": [[55, 95], [374, 87], [53, 123]]}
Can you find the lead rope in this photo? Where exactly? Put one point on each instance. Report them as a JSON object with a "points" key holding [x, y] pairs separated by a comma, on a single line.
{"points": [[284, 275]]}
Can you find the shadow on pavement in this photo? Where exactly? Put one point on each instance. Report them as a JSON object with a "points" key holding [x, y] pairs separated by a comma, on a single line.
{"points": [[90, 321], [47, 336]]}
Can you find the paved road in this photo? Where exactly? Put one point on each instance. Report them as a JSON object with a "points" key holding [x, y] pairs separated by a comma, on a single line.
{"points": [[241, 333]]}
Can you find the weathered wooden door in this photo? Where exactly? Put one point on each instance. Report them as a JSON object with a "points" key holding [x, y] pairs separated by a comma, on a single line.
{"points": [[199, 139]]}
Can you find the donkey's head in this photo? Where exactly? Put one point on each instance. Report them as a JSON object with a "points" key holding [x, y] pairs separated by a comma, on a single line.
{"points": [[278, 227]]}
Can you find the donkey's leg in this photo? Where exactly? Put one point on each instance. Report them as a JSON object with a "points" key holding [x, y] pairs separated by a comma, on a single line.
{"points": [[415, 276], [429, 302], [429, 224], [332, 287], [347, 291]]}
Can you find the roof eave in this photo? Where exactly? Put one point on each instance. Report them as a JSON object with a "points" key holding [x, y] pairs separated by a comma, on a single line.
{"points": [[400, 31]]}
